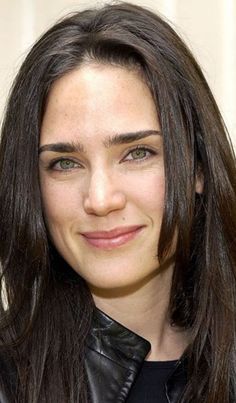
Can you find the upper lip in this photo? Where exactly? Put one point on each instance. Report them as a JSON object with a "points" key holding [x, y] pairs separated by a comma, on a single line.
{"points": [[111, 233]]}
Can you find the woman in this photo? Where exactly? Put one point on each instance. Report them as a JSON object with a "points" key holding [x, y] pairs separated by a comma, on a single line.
{"points": [[118, 220]]}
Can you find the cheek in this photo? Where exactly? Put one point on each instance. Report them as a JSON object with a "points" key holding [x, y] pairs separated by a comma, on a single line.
{"points": [[59, 202], [150, 192]]}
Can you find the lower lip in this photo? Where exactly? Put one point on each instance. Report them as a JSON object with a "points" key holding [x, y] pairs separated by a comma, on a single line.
{"points": [[111, 243]]}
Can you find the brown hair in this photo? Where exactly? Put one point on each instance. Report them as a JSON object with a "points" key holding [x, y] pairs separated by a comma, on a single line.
{"points": [[49, 306]]}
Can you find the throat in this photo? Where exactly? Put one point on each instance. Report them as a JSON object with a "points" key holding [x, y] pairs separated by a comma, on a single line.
{"points": [[146, 313]]}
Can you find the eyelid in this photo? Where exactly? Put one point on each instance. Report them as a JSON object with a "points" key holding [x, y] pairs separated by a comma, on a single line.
{"points": [[54, 161], [140, 147]]}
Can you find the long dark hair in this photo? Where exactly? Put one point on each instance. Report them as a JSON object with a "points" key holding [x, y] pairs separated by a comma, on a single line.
{"points": [[46, 307]]}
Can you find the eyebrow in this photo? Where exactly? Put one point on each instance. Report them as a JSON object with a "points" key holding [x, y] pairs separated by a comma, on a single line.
{"points": [[117, 139]]}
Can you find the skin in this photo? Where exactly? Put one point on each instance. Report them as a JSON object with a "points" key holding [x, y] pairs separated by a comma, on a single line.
{"points": [[99, 187]]}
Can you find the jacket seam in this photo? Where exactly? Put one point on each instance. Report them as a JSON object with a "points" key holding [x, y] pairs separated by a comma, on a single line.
{"points": [[125, 385], [112, 360]]}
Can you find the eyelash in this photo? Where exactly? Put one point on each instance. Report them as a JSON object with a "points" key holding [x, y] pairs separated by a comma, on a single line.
{"points": [[53, 163], [142, 148]]}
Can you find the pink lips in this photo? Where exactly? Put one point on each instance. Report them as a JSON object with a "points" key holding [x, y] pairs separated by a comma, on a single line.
{"points": [[112, 239]]}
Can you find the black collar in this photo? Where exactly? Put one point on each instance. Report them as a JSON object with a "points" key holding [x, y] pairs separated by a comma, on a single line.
{"points": [[119, 345]]}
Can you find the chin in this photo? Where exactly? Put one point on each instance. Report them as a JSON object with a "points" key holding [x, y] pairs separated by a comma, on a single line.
{"points": [[114, 286]]}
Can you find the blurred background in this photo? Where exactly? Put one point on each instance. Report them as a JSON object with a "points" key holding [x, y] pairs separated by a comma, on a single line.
{"points": [[207, 26]]}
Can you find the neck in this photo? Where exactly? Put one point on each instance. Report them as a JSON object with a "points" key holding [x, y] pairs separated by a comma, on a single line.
{"points": [[144, 310]]}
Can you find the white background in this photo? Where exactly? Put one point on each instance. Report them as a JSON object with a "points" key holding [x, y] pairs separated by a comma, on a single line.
{"points": [[208, 26]]}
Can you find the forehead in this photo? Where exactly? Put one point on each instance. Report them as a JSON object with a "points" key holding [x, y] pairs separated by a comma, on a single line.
{"points": [[96, 100]]}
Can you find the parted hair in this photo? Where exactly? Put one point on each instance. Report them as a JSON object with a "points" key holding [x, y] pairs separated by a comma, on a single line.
{"points": [[46, 308]]}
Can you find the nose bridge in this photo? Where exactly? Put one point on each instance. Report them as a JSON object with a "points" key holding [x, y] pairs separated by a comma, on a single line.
{"points": [[100, 184], [104, 191]]}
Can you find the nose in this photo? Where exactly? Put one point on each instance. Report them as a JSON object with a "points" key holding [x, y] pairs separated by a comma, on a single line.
{"points": [[104, 194]]}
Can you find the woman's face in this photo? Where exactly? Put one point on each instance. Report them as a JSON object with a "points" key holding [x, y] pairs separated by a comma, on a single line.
{"points": [[102, 175]]}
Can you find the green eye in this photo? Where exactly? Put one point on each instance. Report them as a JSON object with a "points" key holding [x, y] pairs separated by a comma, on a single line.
{"points": [[66, 164], [139, 153]]}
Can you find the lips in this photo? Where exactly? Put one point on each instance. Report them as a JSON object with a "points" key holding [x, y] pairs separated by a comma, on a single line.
{"points": [[113, 238]]}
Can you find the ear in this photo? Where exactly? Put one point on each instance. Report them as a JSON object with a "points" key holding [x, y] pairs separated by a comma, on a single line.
{"points": [[199, 184]]}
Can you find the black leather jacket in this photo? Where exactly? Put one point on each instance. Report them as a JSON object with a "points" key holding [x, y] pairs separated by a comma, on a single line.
{"points": [[114, 357]]}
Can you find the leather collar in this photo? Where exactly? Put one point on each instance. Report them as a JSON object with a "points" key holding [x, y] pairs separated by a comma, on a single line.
{"points": [[116, 354]]}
